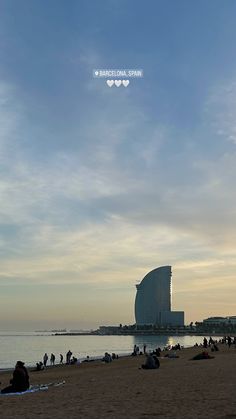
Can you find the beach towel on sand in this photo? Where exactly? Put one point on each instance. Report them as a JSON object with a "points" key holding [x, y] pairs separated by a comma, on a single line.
{"points": [[34, 389]]}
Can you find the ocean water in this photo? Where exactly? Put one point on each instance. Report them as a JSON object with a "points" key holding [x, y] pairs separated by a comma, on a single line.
{"points": [[30, 347]]}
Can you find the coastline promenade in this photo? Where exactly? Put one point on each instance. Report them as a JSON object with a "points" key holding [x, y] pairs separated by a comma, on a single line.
{"points": [[181, 388]]}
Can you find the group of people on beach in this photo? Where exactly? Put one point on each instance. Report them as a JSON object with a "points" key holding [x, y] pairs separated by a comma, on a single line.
{"points": [[213, 345], [152, 361], [227, 340], [20, 380], [109, 357], [43, 364], [137, 351]]}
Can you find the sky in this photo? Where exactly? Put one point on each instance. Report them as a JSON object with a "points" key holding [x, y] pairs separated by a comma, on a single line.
{"points": [[100, 185]]}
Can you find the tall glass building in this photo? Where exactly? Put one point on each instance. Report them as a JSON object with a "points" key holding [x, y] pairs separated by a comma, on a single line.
{"points": [[153, 300]]}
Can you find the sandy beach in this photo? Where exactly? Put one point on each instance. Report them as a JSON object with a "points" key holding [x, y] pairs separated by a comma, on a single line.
{"points": [[179, 389]]}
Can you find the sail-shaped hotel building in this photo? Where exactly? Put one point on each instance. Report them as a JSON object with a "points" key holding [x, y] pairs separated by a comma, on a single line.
{"points": [[153, 300]]}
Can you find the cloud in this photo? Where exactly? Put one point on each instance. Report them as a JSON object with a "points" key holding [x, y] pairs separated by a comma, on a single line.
{"points": [[221, 109], [10, 118], [116, 182], [113, 201]]}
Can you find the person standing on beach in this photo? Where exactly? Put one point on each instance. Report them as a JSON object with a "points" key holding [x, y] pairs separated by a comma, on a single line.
{"points": [[68, 356], [52, 359], [20, 380], [61, 359], [135, 350], [45, 360], [144, 348]]}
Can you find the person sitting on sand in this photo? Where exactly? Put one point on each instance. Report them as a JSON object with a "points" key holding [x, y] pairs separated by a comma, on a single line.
{"points": [[107, 358], [157, 362], [202, 355], [156, 352], [171, 355], [152, 362], [39, 366], [20, 380], [87, 359], [74, 360]]}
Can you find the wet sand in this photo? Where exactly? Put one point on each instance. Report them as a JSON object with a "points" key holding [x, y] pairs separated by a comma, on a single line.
{"points": [[179, 389]]}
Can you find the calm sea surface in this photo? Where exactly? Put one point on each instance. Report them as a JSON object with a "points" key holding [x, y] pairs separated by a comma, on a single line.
{"points": [[30, 347]]}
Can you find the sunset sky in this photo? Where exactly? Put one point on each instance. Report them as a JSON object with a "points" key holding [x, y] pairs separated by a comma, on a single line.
{"points": [[100, 185]]}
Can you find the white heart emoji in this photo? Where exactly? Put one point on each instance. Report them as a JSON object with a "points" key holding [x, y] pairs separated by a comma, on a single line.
{"points": [[110, 83], [117, 83], [125, 83]]}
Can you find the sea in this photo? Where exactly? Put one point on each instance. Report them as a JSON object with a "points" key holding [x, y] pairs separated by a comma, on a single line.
{"points": [[31, 346]]}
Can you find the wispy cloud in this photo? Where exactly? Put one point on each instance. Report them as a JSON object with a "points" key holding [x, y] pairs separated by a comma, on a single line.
{"points": [[98, 186], [221, 109]]}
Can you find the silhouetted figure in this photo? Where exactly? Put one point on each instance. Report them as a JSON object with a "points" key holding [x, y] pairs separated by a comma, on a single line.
{"points": [[45, 360], [202, 355], [214, 348], [20, 380], [61, 359], [52, 359], [135, 350], [73, 360], [68, 356], [87, 359], [171, 355], [152, 362], [39, 366], [107, 358], [144, 348], [205, 342], [229, 341], [157, 362], [158, 352]]}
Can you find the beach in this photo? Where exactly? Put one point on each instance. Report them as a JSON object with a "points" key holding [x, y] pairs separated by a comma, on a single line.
{"points": [[180, 388]]}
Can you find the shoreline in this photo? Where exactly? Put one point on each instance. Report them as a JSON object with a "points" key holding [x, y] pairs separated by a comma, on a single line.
{"points": [[180, 388], [147, 333], [98, 355]]}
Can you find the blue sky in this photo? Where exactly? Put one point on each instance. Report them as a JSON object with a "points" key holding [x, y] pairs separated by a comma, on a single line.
{"points": [[99, 185]]}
